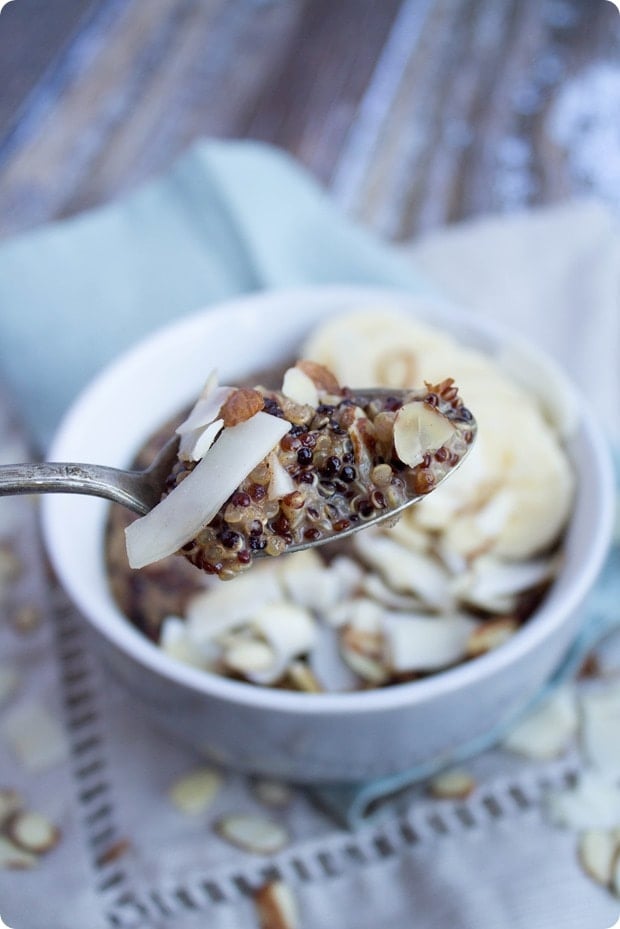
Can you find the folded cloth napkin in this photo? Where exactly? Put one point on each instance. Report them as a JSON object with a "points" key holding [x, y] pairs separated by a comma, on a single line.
{"points": [[234, 217]]}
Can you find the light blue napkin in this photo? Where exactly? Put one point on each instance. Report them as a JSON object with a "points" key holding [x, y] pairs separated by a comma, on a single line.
{"points": [[228, 218]]}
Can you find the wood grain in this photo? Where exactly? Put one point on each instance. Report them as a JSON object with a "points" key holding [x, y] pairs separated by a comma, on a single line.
{"points": [[414, 112]]}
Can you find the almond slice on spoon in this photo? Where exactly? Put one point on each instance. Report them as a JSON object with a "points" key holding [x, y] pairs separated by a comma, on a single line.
{"points": [[193, 503], [299, 387], [418, 429]]}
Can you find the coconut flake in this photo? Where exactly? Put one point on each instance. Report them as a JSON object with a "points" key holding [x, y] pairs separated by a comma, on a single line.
{"points": [[194, 502], [406, 571], [280, 481], [494, 585], [288, 630], [298, 387], [195, 445], [426, 643], [420, 428], [548, 730], [489, 635], [224, 605], [205, 410], [250, 657]]}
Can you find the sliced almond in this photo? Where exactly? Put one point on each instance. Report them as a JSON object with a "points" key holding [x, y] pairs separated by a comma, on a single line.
{"points": [[194, 793], [299, 387], [13, 858], [548, 730], [276, 906], [241, 405], [253, 833], [489, 635], [302, 677], [371, 670], [597, 850], [194, 502], [456, 784], [320, 376], [420, 428], [274, 794], [32, 832]]}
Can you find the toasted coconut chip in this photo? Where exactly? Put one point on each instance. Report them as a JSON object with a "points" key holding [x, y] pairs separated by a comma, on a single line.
{"points": [[32, 832], [406, 571], [36, 737], [250, 658], [548, 731], [600, 729], [420, 428], [9, 680], [423, 643], [593, 804], [10, 802], [195, 445], [489, 635], [373, 585], [276, 906], [194, 502], [205, 410], [253, 833], [195, 792], [274, 794], [13, 858], [597, 850], [456, 784], [280, 481], [289, 631], [175, 641], [494, 585], [223, 605], [327, 663], [299, 387]]}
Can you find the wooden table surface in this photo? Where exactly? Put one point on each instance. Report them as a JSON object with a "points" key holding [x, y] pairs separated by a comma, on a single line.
{"points": [[413, 112]]}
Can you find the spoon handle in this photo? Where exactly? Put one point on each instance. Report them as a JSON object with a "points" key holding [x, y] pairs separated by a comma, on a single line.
{"points": [[59, 477]]}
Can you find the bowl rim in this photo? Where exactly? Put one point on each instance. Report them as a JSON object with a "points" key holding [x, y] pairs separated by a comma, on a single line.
{"points": [[547, 617]]}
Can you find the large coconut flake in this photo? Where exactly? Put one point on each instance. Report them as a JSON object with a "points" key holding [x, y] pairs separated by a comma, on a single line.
{"points": [[194, 502], [426, 643]]}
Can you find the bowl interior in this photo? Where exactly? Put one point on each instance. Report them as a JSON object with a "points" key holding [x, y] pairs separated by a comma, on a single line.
{"points": [[111, 420]]}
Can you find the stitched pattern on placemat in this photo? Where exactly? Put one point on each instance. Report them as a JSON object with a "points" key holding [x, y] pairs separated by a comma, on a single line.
{"points": [[89, 766], [340, 853]]}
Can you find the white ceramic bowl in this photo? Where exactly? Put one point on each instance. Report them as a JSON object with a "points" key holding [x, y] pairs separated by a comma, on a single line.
{"points": [[302, 737]]}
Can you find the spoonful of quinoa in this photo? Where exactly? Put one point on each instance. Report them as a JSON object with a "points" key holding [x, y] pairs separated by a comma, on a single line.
{"points": [[253, 472], [265, 472]]}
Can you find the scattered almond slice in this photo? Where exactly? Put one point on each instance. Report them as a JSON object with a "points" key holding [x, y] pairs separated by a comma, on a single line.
{"points": [[194, 502], [194, 793], [597, 850], [456, 784], [302, 677], [276, 906], [253, 833], [369, 669], [489, 635], [300, 388], [289, 631], [274, 794], [250, 658], [14, 858], [420, 428], [548, 730], [36, 737], [32, 832]]}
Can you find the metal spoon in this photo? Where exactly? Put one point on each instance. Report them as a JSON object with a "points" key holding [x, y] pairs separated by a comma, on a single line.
{"points": [[140, 491]]}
